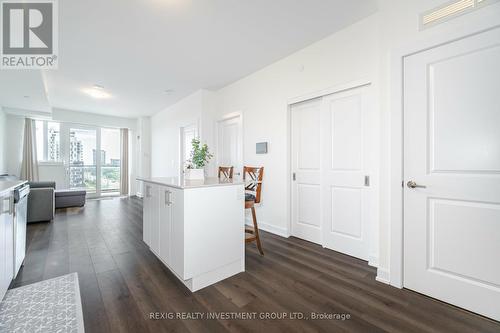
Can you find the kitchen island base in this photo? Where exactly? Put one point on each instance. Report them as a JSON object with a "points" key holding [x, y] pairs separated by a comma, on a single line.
{"points": [[196, 228]]}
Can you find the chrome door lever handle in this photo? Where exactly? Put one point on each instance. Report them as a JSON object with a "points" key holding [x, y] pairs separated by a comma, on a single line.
{"points": [[412, 184]]}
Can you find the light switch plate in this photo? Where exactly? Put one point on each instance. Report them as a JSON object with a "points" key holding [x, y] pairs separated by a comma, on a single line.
{"points": [[261, 148]]}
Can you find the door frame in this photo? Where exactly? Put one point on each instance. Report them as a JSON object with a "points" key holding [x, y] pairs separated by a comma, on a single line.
{"points": [[362, 83], [228, 116], [182, 130], [393, 274]]}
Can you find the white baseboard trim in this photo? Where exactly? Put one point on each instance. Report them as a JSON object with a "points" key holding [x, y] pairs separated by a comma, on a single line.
{"points": [[373, 260], [280, 231], [383, 276]]}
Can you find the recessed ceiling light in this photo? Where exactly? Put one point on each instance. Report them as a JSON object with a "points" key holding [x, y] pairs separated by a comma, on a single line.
{"points": [[26, 96], [97, 91], [168, 91]]}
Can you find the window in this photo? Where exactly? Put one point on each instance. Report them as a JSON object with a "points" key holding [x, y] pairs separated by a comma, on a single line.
{"points": [[110, 160], [82, 159], [89, 157], [48, 141]]}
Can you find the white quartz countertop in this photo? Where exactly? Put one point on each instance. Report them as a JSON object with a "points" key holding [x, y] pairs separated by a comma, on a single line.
{"points": [[181, 183], [9, 185]]}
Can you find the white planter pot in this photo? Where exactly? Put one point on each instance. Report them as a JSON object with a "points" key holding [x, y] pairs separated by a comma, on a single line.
{"points": [[193, 174]]}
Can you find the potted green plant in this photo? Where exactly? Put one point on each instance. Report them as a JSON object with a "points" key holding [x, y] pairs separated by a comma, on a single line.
{"points": [[200, 156]]}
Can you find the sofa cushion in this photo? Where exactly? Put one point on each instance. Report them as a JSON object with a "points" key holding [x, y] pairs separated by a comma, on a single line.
{"points": [[70, 198], [70, 193]]}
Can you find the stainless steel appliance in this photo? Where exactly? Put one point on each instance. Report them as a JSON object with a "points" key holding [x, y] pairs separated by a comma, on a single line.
{"points": [[20, 218]]}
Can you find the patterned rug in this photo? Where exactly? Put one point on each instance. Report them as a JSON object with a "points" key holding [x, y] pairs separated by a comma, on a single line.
{"points": [[48, 306]]}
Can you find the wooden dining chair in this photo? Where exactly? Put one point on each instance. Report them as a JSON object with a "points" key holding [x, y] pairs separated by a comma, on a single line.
{"points": [[226, 172], [253, 187]]}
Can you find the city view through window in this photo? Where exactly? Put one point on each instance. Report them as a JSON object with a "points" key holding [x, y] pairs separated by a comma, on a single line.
{"points": [[110, 159], [84, 161], [89, 168]]}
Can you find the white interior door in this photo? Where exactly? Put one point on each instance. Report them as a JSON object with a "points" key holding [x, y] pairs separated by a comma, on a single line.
{"points": [[306, 168], [345, 184], [229, 145], [452, 147]]}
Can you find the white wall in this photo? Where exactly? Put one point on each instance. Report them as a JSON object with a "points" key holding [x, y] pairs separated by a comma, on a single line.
{"points": [[165, 134], [14, 151], [263, 99], [143, 152], [3, 143], [361, 51], [85, 118]]}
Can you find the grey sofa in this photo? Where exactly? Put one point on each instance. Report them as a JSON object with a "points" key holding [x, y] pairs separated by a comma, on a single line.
{"points": [[44, 199], [70, 198], [41, 201]]}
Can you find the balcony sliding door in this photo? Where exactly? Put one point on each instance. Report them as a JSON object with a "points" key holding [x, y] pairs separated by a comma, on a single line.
{"points": [[110, 161], [94, 160], [82, 168]]}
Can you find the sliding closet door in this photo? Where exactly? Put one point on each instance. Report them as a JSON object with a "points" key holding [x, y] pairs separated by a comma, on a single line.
{"points": [[334, 140], [306, 168], [345, 176]]}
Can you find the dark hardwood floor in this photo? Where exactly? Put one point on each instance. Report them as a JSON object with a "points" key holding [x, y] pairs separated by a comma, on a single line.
{"points": [[122, 283]]}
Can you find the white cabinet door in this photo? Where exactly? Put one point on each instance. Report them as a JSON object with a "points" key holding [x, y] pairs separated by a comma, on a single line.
{"points": [[306, 167], [9, 247], [146, 215], [3, 217], [165, 227], [452, 147], [155, 219], [6, 243], [177, 235]]}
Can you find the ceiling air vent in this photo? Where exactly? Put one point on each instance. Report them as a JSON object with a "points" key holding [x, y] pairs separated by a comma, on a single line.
{"points": [[451, 10]]}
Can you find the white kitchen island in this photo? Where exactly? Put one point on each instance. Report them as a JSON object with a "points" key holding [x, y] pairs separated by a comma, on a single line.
{"points": [[196, 228]]}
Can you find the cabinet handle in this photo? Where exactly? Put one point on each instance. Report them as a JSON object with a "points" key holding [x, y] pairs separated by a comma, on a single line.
{"points": [[9, 209], [168, 198]]}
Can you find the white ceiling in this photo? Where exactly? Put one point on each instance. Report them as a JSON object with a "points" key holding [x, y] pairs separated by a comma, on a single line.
{"points": [[137, 49]]}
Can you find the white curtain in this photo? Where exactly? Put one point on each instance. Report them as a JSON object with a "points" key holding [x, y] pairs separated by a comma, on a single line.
{"points": [[29, 166], [124, 179]]}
